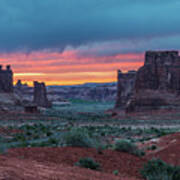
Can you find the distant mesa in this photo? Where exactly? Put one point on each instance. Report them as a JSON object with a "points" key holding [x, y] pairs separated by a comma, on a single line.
{"points": [[156, 85], [21, 87]]}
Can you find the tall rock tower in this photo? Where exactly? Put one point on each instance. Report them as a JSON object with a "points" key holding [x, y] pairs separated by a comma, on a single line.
{"points": [[40, 95], [6, 80]]}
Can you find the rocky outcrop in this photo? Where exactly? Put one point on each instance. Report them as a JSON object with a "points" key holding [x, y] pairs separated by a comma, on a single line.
{"points": [[125, 87], [157, 83], [9, 101], [40, 95], [6, 80], [161, 70]]}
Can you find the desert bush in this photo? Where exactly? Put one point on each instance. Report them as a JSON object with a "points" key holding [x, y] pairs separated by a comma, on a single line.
{"points": [[153, 147], [78, 138], [157, 169], [116, 172], [89, 163], [125, 145]]}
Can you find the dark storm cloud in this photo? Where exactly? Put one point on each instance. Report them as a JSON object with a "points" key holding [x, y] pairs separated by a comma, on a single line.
{"points": [[27, 25]]}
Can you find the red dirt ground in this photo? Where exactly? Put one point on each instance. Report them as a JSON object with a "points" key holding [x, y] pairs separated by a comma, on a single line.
{"points": [[27, 169], [168, 149], [58, 163], [128, 165]]}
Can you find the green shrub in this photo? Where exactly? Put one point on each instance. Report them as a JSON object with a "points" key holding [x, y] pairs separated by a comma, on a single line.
{"points": [[89, 163], [115, 172], [153, 147], [157, 169], [124, 145], [79, 138], [53, 141]]}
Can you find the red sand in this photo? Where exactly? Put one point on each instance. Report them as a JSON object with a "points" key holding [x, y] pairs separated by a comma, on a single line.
{"points": [[26, 169], [168, 149], [128, 165], [58, 163]]}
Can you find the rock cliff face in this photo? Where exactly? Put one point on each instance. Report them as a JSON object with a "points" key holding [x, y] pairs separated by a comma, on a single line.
{"points": [[125, 87], [161, 70], [157, 83], [40, 96]]}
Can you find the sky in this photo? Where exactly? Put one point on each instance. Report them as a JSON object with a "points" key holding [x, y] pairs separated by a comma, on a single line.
{"points": [[64, 42]]}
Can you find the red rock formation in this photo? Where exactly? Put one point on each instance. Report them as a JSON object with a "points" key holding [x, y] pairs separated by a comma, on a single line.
{"points": [[125, 86], [160, 71], [157, 83], [40, 95], [6, 80]]}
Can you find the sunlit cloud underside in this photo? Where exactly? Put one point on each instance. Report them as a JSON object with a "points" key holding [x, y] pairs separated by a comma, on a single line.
{"points": [[69, 67]]}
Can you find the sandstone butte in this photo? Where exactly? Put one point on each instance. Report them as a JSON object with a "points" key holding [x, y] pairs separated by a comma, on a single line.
{"points": [[155, 86]]}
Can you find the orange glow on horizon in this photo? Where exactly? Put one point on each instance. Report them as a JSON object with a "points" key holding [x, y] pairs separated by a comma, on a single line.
{"points": [[69, 67]]}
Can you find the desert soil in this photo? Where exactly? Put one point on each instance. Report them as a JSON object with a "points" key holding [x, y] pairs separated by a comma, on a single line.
{"points": [[58, 163]]}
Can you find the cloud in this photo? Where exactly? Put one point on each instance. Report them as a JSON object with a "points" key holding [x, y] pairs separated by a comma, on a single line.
{"points": [[72, 66], [37, 25]]}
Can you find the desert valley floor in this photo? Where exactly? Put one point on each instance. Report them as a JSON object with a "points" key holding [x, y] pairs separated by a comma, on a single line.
{"points": [[33, 146]]}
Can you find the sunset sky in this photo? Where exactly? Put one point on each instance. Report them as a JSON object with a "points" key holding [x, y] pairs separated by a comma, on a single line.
{"points": [[65, 42]]}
